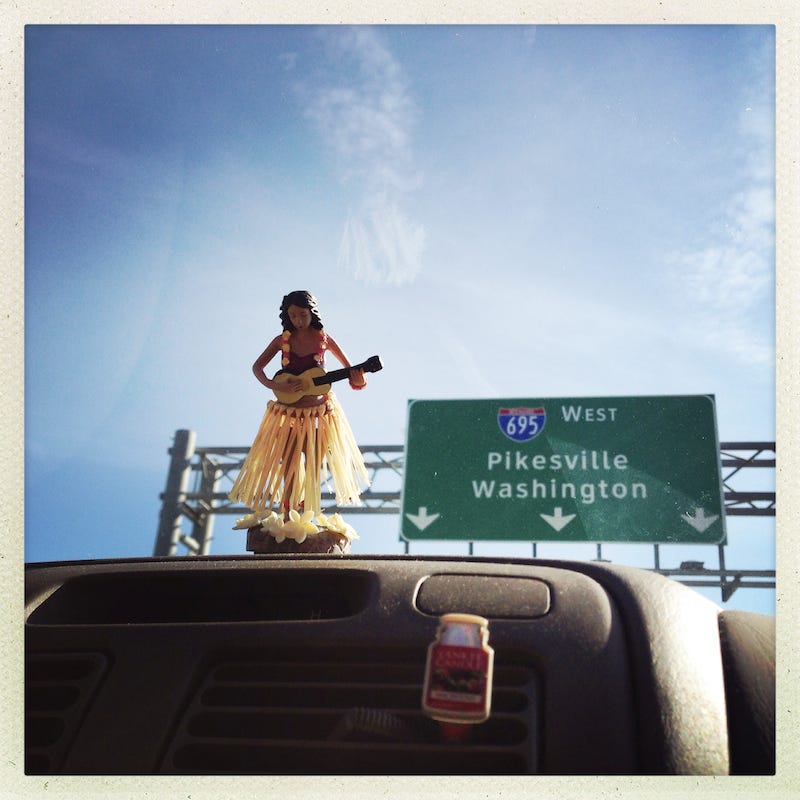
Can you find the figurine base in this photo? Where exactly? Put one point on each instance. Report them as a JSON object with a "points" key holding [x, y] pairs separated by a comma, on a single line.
{"points": [[325, 542]]}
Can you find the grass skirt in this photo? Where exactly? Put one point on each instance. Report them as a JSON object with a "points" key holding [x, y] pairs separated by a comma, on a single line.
{"points": [[294, 451]]}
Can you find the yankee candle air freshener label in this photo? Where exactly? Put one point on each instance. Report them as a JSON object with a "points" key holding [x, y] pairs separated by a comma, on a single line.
{"points": [[458, 683]]}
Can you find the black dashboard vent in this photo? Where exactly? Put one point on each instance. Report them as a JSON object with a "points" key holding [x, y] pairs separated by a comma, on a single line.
{"points": [[356, 714], [58, 690]]}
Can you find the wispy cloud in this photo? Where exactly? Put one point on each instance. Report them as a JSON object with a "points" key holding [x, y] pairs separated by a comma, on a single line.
{"points": [[365, 113], [733, 271]]}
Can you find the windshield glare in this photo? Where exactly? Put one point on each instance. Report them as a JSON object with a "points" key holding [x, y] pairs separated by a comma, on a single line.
{"points": [[545, 235]]}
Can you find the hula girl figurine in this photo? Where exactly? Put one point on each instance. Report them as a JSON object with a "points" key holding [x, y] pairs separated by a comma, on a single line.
{"points": [[304, 432]]}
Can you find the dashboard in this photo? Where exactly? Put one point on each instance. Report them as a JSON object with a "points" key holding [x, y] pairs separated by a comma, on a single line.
{"points": [[315, 665]]}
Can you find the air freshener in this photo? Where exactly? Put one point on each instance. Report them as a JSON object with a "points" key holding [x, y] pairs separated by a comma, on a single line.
{"points": [[458, 673]]}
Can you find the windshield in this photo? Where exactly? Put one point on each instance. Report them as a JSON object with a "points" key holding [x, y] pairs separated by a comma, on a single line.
{"points": [[524, 215]]}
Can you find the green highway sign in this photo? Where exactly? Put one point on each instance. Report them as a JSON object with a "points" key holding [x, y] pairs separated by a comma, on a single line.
{"points": [[601, 469]]}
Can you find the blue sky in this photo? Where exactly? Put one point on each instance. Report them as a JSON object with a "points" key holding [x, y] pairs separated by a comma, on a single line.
{"points": [[503, 211]]}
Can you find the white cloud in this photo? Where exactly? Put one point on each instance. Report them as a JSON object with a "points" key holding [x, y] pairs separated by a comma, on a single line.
{"points": [[365, 115], [382, 245], [725, 276], [726, 281]]}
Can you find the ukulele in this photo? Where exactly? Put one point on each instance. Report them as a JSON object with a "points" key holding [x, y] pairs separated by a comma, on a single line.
{"points": [[316, 381]]}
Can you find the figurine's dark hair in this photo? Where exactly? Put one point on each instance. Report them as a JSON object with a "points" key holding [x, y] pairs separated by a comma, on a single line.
{"points": [[301, 299]]}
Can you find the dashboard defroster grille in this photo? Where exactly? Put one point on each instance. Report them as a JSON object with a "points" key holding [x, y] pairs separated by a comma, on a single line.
{"points": [[359, 715], [58, 690]]}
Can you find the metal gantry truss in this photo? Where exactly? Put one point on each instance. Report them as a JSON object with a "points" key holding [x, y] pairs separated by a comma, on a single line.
{"points": [[735, 457], [199, 479]]}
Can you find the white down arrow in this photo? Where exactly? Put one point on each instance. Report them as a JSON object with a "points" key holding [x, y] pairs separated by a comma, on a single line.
{"points": [[422, 519], [699, 521], [557, 520]]}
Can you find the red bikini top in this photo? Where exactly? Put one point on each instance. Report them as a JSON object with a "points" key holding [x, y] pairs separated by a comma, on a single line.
{"points": [[296, 364]]}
